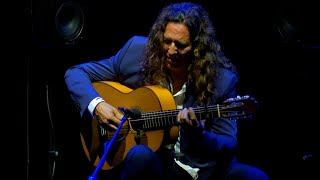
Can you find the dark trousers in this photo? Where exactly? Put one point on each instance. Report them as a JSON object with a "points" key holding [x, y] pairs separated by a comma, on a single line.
{"points": [[142, 163]]}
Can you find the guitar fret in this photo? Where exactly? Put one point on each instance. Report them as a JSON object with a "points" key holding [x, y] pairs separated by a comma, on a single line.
{"points": [[158, 119]]}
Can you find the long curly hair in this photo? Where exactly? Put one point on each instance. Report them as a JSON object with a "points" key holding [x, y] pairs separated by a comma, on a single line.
{"points": [[206, 50]]}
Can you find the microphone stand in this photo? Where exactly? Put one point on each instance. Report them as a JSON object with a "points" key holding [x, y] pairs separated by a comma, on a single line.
{"points": [[107, 146]]}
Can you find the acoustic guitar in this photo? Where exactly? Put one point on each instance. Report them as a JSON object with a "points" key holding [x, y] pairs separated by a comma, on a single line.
{"points": [[155, 123]]}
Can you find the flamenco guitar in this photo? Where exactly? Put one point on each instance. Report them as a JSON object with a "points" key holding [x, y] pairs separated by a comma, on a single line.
{"points": [[154, 126]]}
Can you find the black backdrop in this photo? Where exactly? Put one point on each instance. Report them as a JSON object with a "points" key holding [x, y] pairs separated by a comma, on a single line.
{"points": [[274, 44]]}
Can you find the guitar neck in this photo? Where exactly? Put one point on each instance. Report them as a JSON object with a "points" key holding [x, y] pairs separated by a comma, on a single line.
{"points": [[161, 119]]}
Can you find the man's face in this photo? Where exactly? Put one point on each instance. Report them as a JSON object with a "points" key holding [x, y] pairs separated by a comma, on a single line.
{"points": [[177, 46]]}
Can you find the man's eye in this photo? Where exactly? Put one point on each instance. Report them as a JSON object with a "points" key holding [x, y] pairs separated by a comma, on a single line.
{"points": [[177, 44], [167, 41], [181, 46]]}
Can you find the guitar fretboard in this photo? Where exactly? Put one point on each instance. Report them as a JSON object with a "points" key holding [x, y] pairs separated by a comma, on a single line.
{"points": [[151, 120]]}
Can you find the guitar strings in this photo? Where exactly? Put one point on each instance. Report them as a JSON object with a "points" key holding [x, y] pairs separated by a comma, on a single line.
{"points": [[168, 117]]}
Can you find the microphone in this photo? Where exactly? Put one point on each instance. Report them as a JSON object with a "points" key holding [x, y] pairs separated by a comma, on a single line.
{"points": [[107, 147], [133, 113]]}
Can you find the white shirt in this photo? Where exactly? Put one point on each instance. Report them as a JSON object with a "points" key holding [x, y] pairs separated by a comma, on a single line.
{"points": [[179, 98]]}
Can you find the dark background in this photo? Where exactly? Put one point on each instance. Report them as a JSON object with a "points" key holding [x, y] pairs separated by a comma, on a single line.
{"points": [[275, 45]]}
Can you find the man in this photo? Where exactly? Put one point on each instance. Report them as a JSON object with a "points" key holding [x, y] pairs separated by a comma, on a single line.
{"points": [[182, 55]]}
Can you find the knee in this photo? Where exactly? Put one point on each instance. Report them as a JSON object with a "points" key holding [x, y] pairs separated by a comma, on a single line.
{"points": [[246, 172], [141, 153], [141, 162], [256, 174]]}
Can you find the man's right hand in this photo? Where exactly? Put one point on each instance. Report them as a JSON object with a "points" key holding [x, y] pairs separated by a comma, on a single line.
{"points": [[108, 114]]}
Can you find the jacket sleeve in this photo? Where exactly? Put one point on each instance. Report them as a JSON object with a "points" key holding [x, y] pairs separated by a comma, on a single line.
{"points": [[219, 141], [222, 135], [79, 78]]}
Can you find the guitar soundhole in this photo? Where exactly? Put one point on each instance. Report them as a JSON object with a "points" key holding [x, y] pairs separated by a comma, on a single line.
{"points": [[122, 133], [106, 133]]}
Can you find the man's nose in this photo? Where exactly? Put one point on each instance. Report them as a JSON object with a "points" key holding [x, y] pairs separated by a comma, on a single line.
{"points": [[172, 48]]}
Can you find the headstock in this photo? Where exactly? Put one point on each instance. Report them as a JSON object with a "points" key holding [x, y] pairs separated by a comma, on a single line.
{"points": [[239, 107]]}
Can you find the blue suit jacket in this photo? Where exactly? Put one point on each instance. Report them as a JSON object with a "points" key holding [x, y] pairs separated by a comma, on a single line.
{"points": [[124, 67]]}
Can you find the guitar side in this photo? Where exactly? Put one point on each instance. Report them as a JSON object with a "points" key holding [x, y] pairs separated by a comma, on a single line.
{"points": [[145, 99]]}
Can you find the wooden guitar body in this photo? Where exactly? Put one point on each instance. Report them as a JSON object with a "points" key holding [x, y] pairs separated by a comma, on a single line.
{"points": [[145, 99]]}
